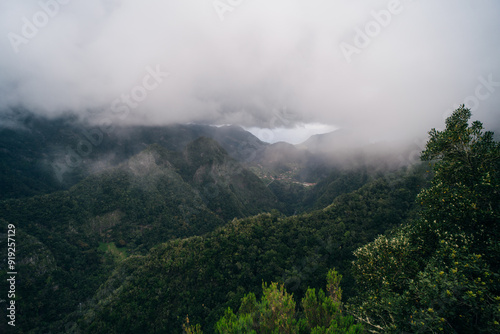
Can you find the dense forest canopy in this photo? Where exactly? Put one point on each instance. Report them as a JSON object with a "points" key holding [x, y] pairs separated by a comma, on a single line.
{"points": [[188, 238]]}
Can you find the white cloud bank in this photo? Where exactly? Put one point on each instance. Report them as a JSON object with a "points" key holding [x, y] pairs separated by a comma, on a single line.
{"points": [[404, 70]]}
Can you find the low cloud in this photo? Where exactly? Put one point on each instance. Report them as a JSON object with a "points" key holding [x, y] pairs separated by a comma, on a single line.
{"points": [[261, 58]]}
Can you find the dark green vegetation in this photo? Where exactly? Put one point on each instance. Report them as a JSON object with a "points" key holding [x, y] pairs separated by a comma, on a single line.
{"points": [[276, 312], [23, 148], [441, 273], [202, 276], [136, 205], [168, 233], [34, 151]]}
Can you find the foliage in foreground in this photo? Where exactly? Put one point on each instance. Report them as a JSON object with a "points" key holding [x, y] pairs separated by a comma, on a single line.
{"points": [[276, 312], [440, 274]]}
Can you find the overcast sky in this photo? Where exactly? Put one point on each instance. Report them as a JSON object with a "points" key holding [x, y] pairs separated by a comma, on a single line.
{"points": [[388, 69]]}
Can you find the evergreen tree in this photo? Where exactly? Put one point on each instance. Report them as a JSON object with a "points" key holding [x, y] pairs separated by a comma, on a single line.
{"points": [[276, 312], [440, 273]]}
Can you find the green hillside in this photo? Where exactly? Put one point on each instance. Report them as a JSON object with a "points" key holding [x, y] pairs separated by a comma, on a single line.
{"points": [[191, 240], [201, 276], [134, 206]]}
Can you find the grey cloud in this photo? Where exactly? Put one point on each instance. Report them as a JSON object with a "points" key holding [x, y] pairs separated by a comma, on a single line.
{"points": [[263, 57]]}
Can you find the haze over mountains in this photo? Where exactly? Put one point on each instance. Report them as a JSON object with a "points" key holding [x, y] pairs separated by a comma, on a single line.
{"points": [[265, 65], [209, 167], [141, 186], [58, 153], [139, 227]]}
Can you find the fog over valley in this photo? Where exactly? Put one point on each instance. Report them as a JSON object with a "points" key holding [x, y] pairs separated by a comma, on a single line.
{"points": [[389, 70], [238, 166]]}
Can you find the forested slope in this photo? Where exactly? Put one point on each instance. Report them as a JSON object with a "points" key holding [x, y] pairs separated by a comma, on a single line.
{"points": [[69, 241], [203, 275]]}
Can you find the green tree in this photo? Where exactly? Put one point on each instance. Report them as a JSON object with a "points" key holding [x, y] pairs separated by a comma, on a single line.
{"points": [[441, 272], [466, 187], [323, 312], [275, 313], [189, 329]]}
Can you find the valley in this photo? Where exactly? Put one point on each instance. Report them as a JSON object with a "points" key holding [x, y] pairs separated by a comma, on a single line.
{"points": [[172, 229]]}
